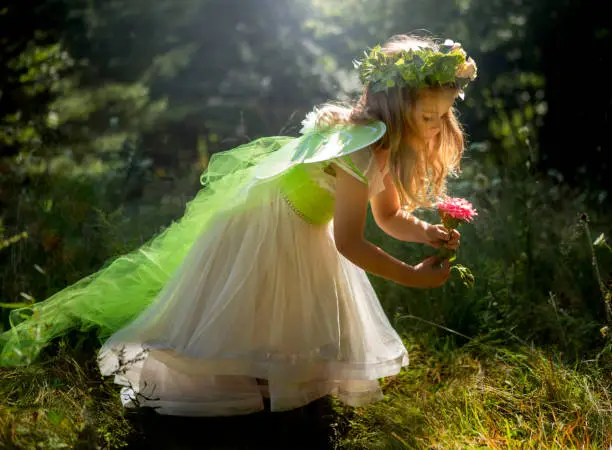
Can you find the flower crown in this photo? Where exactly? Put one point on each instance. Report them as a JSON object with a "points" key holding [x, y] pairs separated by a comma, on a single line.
{"points": [[417, 68]]}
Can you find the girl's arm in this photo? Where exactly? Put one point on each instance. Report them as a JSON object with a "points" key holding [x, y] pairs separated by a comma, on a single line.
{"points": [[393, 220], [349, 223]]}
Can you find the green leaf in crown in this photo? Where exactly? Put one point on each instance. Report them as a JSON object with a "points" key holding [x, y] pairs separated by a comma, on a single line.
{"points": [[416, 68]]}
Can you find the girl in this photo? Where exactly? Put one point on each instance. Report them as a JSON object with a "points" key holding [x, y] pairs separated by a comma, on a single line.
{"points": [[261, 288]]}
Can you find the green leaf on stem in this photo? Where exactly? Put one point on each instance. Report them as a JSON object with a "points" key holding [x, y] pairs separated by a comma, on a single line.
{"points": [[466, 275]]}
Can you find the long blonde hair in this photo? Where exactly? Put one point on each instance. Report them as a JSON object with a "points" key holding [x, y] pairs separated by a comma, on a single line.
{"points": [[419, 174]]}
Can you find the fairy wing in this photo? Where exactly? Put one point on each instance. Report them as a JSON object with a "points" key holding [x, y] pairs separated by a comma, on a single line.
{"points": [[320, 145]]}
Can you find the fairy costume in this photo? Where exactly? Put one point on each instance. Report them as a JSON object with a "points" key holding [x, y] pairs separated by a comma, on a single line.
{"points": [[247, 285]]}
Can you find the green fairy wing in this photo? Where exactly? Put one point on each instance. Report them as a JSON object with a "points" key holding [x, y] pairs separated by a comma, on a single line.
{"points": [[320, 145], [112, 297]]}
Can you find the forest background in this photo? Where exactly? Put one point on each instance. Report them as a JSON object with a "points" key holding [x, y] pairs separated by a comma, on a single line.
{"points": [[110, 111]]}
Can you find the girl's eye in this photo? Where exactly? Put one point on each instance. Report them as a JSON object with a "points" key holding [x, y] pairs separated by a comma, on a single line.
{"points": [[426, 119]]}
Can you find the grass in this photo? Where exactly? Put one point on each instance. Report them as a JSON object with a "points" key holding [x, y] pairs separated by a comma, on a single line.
{"points": [[59, 403], [487, 397], [480, 396]]}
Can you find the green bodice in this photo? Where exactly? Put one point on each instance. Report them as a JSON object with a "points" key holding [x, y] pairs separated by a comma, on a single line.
{"points": [[306, 197], [310, 201]]}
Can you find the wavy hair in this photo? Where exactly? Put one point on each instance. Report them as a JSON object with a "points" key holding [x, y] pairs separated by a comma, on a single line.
{"points": [[419, 172]]}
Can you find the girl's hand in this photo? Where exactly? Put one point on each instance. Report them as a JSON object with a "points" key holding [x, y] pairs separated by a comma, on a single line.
{"points": [[431, 272], [437, 235]]}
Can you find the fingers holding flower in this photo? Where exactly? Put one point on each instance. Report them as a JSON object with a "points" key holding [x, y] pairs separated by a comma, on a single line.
{"points": [[453, 212], [454, 241], [438, 235]]}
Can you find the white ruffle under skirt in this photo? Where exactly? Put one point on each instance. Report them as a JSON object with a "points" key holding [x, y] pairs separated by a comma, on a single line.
{"points": [[260, 295]]}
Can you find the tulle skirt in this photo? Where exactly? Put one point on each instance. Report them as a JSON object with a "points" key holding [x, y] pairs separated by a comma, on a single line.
{"points": [[260, 295]]}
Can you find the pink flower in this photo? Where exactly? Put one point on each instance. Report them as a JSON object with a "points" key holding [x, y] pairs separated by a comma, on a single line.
{"points": [[453, 212], [457, 208]]}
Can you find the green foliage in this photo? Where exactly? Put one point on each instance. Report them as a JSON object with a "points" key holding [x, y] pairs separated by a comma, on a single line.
{"points": [[77, 216]]}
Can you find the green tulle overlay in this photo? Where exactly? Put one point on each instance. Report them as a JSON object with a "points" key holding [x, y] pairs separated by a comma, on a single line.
{"points": [[234, 181], [114, 295]]}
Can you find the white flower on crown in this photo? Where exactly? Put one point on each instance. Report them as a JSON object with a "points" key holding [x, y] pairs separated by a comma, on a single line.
{"points": [[455, 46], [451, 43], [310, 122]]}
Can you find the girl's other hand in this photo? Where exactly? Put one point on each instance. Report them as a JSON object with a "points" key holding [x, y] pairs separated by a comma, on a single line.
{"points": [[428, 275]]}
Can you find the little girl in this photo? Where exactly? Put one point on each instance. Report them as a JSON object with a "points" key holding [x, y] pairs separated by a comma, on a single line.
{"points": [[260, 289]]}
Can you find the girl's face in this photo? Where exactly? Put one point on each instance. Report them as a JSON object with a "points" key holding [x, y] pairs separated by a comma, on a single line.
{"points": [[429, 111]]}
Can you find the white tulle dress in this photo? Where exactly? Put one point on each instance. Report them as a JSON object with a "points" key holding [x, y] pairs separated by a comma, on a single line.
{"points": [[261, 295]]}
